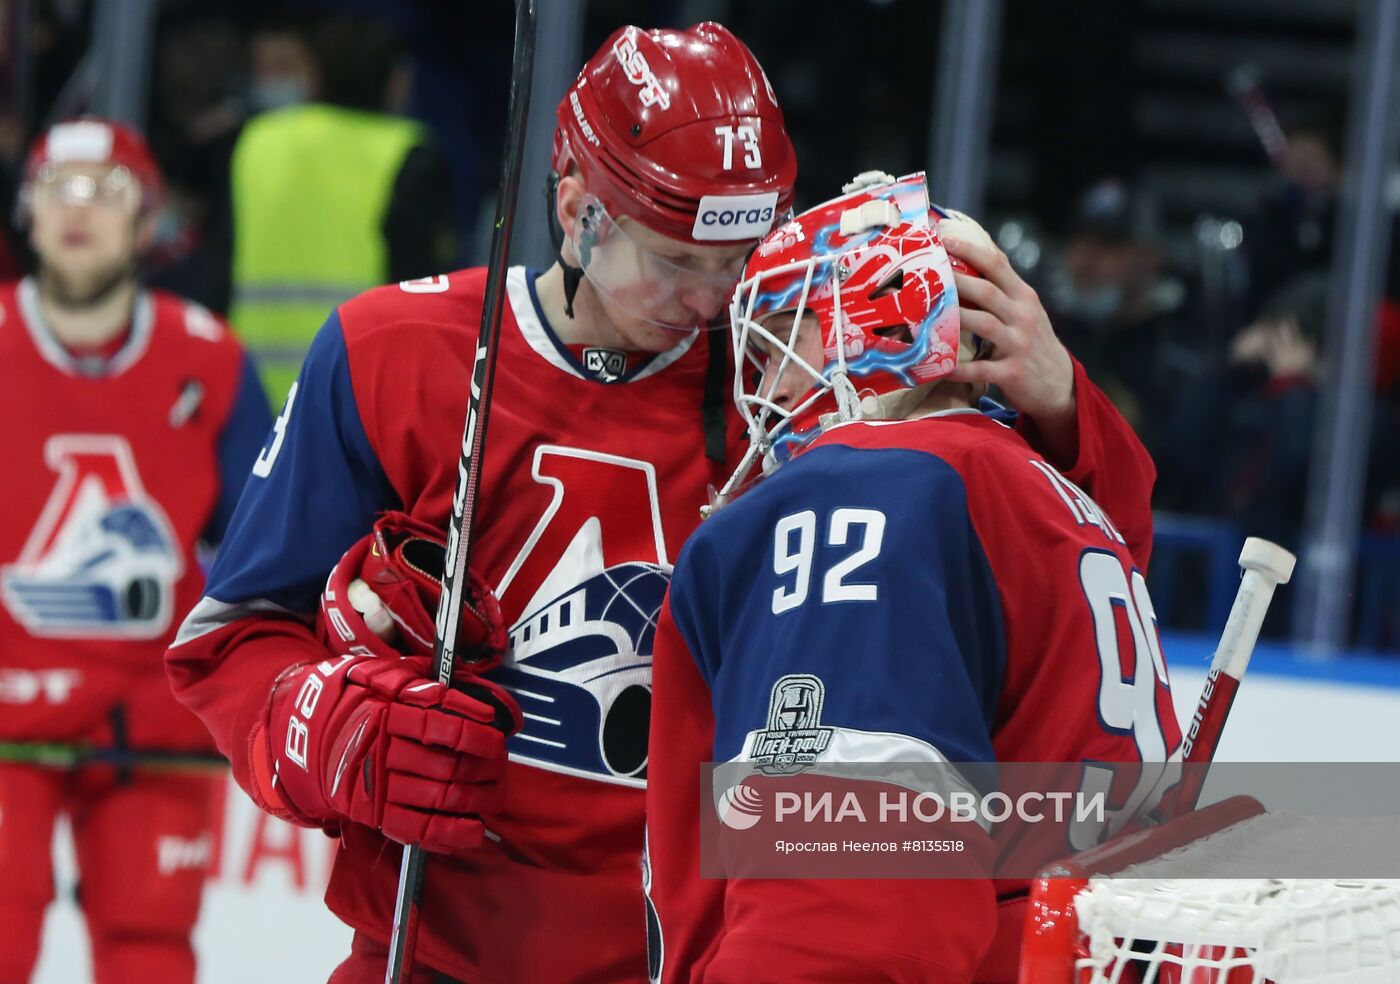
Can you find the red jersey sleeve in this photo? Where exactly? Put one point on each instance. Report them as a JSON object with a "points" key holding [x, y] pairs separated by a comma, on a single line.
{"points": [[1108, 461], [226, 677], [314, 489]]}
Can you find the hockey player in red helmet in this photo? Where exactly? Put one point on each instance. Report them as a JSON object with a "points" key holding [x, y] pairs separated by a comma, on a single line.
{"points": [[133, 418], [86, 252], [913, 569], [607, 426], [670, 162]]}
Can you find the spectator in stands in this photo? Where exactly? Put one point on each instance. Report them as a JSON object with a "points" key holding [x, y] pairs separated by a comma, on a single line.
{"points": [[1292, 231], [1383, 478], [11, 161], [283, 66], [331, 193], [1119, 312], [199, 110], [1253, 424]]}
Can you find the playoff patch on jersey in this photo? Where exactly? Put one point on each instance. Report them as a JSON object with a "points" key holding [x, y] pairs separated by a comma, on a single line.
{"points": [[794, 737], [101, 560]]}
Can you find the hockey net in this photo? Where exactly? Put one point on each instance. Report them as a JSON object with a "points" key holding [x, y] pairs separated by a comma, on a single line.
{"points": [[1144, 926]]}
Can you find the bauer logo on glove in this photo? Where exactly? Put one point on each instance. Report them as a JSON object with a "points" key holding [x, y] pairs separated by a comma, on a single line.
{"points": [[374, 740], [367, 735]]}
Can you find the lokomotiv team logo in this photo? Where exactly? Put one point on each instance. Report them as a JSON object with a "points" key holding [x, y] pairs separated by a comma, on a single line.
{"points": [[101, 560], [580, 651]]}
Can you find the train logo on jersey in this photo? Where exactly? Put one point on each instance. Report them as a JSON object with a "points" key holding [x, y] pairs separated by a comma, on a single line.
{"points": [[580, 653], [794, 737], [101, 560]]}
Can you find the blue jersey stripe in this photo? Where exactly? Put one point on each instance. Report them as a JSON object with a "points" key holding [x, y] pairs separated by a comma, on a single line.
{"points": [[316, 488], [244, 433]]}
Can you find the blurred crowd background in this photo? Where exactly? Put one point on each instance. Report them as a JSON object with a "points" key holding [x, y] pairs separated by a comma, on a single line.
{"points": [[1173, 176]]}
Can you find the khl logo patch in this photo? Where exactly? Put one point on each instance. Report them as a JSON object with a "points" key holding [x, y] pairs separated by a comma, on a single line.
{"points": [[606, 364]]}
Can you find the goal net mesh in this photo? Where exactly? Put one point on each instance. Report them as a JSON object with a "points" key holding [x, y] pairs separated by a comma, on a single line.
{"points": [[1145, 926]]}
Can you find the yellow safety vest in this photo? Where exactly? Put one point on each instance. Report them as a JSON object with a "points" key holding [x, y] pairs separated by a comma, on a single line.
{"points": [[311, 185]]}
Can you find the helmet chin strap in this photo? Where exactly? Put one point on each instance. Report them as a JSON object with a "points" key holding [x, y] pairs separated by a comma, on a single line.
{"points": [[573, 275]]}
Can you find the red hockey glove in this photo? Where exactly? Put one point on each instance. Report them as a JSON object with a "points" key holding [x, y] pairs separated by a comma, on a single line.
{"points": [[382, 598], [376, 741]]}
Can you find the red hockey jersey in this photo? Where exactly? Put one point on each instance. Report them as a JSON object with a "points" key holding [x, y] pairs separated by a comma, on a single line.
{"points": [[118, 465], [932, 591], [594, 476]]}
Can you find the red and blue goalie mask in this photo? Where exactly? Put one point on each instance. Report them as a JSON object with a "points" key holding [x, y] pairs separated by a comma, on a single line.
{"points": [[866, 272]]}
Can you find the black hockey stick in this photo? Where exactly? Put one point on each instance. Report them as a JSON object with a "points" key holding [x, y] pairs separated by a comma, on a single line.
{"points": [[1244, 83], [407, 905]]}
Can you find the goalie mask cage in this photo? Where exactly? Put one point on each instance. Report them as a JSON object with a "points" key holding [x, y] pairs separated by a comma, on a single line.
{"points": [[1144, 926]]}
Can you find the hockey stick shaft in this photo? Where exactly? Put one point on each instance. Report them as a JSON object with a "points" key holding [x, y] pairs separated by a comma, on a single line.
{"points": [[408, 903], [1266, 565], [1244, 85]]}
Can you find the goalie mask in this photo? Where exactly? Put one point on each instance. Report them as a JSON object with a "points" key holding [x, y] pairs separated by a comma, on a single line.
{"points": [[853, 298]]}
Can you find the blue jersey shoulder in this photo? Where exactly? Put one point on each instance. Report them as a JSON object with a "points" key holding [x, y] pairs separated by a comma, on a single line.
{"points": [[243, 434], [859, 568], [315, 488]]}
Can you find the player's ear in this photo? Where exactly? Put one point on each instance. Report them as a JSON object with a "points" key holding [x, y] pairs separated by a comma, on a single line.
{"points": [[145, 230], [568, 206], [568, 202]]}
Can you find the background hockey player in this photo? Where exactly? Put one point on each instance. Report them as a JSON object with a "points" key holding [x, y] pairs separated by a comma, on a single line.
{"points": [[952, 596], [607, 426], [132, 419]]}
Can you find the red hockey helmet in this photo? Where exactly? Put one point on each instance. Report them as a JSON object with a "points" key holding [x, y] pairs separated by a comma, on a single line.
{"points": [[872, 270], [92, 140], [681, 131]]}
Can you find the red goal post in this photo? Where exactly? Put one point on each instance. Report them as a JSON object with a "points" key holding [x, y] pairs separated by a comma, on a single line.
{"points": [[1117, 914]]}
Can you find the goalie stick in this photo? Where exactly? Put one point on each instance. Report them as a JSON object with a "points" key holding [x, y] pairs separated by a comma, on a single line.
{"points": [[1266, 565], [407, 905]]}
